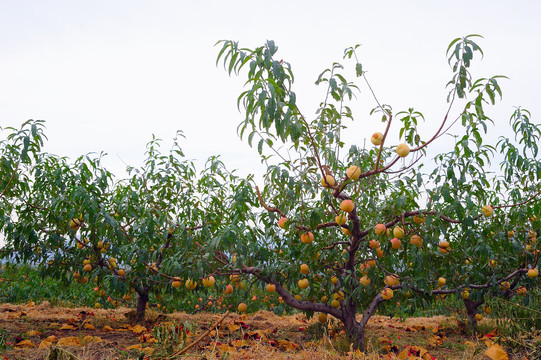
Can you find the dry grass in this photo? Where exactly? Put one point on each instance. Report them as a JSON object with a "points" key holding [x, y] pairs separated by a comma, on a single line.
{"points": [[262, 335]]}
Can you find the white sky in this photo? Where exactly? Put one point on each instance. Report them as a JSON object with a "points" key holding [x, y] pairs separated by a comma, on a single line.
{"points": [[105, 75]]}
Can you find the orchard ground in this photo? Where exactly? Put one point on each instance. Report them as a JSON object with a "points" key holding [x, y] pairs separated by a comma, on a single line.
{"points": [[58, 319], [89, 333]]}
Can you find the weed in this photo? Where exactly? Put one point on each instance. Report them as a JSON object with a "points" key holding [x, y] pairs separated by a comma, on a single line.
{"points": [[316, 331], [3, 340], [57, 353], [518, 316], [171, 338]]}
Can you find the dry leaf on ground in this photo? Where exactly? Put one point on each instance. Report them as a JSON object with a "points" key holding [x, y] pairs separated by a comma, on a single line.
{"points": [[496, 352], [69, 341], [68, 327], [137, 329], [24, 344]]}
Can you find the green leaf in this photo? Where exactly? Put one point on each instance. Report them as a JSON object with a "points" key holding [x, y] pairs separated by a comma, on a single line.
{"points": [[359, 69]]}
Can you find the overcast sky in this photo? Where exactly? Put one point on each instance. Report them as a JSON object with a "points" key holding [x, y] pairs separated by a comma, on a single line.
{"points": [[106, 75]]}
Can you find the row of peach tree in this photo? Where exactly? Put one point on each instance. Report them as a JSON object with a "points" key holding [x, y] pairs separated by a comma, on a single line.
{"points": [[333, 228]]}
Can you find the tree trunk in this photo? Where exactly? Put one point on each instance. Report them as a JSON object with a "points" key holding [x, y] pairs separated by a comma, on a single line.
{"points": [[354, 329], [471, 311], [141, 305], [355, 333]]}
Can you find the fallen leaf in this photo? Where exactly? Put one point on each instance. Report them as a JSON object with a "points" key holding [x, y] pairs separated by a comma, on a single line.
{"points": [[68, 327], [434, 341], [412, 352], [69, 341], [137, 329], [51, 338], [233, 327], [226, 348], [239, 343], [412, 329], [147, 338], [107, 328], [53, 325], [489, 335], [90, 338], [256, 335], [148, 350], [135, 347], [310, 344], [24, 344], [33, 333], [47, 342], [17, 315], [288, 345], [496, 352]]}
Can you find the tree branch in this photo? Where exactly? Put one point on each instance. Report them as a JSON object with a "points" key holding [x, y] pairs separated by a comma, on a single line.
{"points": [[520, 203], [10, 179], [268, 208], [290, 299]]}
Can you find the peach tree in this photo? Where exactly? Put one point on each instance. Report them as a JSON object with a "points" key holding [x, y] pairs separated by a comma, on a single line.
{"points": [[19, 151], [147, 235], [342, 228]]}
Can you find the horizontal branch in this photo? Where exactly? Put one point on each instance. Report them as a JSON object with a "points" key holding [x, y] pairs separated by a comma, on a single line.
{"points": [[486, 285], [290, 300], [520, 203]]}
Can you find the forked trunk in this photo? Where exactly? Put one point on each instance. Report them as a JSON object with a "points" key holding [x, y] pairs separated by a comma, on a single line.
{"points": [[471, 311]]}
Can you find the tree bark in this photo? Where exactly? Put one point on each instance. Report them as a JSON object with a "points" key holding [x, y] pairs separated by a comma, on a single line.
{"points": [[354, 329], [355, 333], [471, 310], [141, 304]]}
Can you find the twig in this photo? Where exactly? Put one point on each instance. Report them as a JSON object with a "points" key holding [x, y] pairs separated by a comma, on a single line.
{"points": [[204, 334], [520, 203], [333, 245], [10, 179], [438, 133], [383, 139], [268, 208], [312, 142], [515, 304]]}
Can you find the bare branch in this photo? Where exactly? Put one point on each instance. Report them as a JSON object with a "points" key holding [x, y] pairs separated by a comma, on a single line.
{"points": [[520, 203]]}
